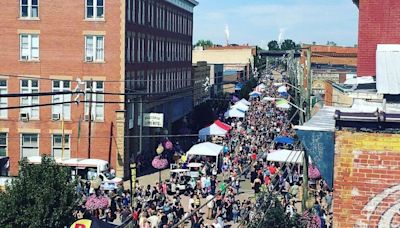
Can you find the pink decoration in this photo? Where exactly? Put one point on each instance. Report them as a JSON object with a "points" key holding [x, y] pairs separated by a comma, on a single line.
{"points": [[311, 220], [168, 145], [93, 202], [313, 172], [159, 163]]}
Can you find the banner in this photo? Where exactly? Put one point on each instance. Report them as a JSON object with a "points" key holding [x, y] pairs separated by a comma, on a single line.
{"points": [[320, 146]]}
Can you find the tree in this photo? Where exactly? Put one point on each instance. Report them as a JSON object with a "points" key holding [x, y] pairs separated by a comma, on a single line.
{"points": [[204, 43], [273, 45], [41, 196], [331, 43], [357, 3], [288, 45]]}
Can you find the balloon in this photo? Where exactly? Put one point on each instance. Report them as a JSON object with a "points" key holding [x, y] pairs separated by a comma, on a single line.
{"points": [[160, 149], [168, 145]]}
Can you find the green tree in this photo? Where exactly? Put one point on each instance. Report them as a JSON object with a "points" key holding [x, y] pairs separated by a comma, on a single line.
{"points": [[288, 45], [357, 2], [41, 196], [273, 45], [204, 43]]}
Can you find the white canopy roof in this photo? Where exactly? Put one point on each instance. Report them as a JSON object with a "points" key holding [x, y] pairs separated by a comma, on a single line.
{"points": [[241, 106], [282, 89], [205, 149], [234, 113], [244, 101], [213, 129], [289, 156]]}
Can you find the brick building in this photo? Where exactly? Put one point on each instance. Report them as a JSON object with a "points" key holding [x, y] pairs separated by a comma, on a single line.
{"points": [[103, 43], [378, 24]]}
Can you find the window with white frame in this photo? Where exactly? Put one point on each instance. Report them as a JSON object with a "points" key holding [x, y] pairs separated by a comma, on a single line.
{"points": [[30, 86], [57, 146], [94, 48], [95, 99], [3, 100], [94, 9], [29, 47], [29, 145], [64, 110], [29, 8], [3, 144]]}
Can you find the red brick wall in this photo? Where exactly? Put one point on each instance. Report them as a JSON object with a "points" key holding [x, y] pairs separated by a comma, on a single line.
{"points": [[366, 181], [61, 27], [379, 23]]}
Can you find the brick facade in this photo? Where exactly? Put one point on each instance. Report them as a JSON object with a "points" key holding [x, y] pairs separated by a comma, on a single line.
{"points": [[366, 180], [379, 21], [62, 27]]}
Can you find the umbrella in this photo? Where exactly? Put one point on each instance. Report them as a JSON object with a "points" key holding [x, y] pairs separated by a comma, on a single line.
{"points": [[284, 139], [92, 223], [282, 89], [282, 104]]}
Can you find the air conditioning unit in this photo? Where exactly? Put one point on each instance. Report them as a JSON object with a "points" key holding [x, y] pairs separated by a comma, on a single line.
{"points": [[24, 57], [24, 116], [89, 59], [86, 117], [56, 116]]}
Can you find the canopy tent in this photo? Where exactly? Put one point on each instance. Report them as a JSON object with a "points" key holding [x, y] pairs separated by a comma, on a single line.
{"points": [[234, 113], [92, 223], [206, 149], [284, 139], [255, 94], [217, 128], [290, 156], [283, 104], [244, 101], [222, 125], [282, 89], [260, 88], [278, 84], [241, 106], [213, 129]]}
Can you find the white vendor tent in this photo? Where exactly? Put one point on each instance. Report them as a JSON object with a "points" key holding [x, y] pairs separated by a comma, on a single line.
{"points": [[241, 106], [244, 101], [282, 89], [213, 129], [206, 149], [289, 156], [234, 113]]}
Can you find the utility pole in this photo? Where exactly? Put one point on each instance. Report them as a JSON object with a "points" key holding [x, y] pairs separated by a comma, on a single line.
{"points": [[309, 84], [90, 117], [305, 180]]}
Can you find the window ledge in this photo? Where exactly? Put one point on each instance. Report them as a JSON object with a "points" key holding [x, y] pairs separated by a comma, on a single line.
{"points": [[29, 19], [94, 19], [60, 120], [95, 62], [29, 61], [3, 118]]}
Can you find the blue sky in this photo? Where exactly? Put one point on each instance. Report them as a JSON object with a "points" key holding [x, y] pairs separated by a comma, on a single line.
{"points": [[258, 21]]}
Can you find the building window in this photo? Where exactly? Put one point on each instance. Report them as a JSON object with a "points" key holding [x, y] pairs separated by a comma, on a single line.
{"points": [[29, 145], [3, 144], [95, 99], [29, 47], [63, 110], [3, 100], [94, 9], [30, 86], [57, 146], [29, 8], [94, 48]]}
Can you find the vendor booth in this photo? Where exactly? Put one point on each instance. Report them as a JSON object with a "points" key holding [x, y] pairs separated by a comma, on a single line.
{"points": [[234, 113], [244, 101], [217, 128], [241, 106], [206, 149], [289, 156]]}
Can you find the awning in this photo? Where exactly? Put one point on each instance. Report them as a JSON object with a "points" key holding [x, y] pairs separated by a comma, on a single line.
{"points": [[241, 106], [244, 101], [205, 149], [213, 129], [234, 113], [318, 138], [289, 156], [284, 139], [222, 125]]}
